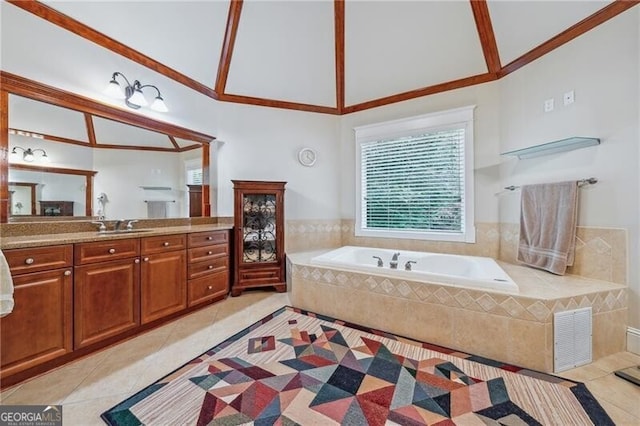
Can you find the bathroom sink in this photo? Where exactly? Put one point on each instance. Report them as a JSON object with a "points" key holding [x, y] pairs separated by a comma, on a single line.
{"points": [[123, 231]]}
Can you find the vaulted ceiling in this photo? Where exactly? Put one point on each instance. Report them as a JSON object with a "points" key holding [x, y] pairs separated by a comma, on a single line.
{"points": [[332, 57]]}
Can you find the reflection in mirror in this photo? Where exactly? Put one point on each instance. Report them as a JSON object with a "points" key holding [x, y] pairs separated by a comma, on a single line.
{"points": [[22, 198], [49, 194], [143, 173]]}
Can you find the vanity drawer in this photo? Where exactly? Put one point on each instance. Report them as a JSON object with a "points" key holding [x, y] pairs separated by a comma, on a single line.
{"points": [[263, 275], [199, 239], [208, 267], [101, 251], [208, 287], [163, 243], [36, 259], [200, 254]]}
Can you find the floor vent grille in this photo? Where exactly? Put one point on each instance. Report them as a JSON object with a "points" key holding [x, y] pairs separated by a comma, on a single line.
{"points": [[571, 339]]}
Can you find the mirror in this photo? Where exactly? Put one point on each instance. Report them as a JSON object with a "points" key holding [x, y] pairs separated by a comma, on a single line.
{"points": [[40, 191], [111, 164]]}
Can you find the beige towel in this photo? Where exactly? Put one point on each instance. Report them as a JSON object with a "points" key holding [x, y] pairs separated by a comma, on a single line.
{"points": [[6, 287], [548, 219], [156, 209]]}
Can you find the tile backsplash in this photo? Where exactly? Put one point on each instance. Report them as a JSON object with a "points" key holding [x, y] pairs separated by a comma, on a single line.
{"points": [[601, 253]]}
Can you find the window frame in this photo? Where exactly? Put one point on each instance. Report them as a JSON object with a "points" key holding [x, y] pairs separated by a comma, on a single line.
{"points": [[412, 126]]}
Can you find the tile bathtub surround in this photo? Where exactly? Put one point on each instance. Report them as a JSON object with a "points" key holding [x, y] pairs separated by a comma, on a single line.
{"points": [[304, 235], [487, 241], [601, 253], [466, 319]]}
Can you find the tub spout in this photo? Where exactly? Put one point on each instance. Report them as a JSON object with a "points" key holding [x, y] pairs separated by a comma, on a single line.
{"points": [[393, 263], [380, 263]]}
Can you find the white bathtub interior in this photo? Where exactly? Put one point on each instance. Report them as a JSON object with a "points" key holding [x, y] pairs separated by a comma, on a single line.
{"points": [[456, 270]]}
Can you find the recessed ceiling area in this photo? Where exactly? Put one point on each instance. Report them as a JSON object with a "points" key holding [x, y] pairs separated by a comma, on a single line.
{"points": [[333, 57]]}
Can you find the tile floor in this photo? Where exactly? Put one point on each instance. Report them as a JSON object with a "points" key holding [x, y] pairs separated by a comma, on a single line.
{"points": [[90, 386]]}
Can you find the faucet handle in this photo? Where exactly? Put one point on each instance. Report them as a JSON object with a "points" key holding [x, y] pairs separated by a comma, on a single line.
{"points": [[130, 224], [102, 226], [380, 263], [407, 266]]}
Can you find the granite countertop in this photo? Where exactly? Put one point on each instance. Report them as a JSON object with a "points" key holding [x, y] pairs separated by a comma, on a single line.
{"points": [[26, 241]]}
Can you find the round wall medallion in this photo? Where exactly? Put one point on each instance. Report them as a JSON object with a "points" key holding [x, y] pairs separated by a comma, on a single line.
{"points": [[307, 157]]}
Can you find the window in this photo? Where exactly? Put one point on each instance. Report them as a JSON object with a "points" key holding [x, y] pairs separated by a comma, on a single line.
{"points": [[193, 170], [415, 177]]}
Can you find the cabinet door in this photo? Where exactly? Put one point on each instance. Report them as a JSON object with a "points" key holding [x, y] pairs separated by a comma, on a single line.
{"points": [[40, 326], [106, 300], [259, 228], [164, 284]]}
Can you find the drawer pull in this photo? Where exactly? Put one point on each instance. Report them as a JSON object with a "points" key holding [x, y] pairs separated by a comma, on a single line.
{"points": [[210, 266], [29, 261], [146, 259], [136, 261], [112, 250], [209, 238], [210, 287], [209, 252], [166, 244], [67, 273]]}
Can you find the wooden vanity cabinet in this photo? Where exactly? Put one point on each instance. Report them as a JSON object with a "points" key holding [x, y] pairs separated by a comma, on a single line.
{"points": [[106, 290], [163, 276], [39, 329], [208, 269]]}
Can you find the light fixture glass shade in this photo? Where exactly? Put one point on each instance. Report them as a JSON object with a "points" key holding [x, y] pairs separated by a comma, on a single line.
{"points": [[114, 90], [28, 156], [45, 158], [137, 98], [159, 105]]}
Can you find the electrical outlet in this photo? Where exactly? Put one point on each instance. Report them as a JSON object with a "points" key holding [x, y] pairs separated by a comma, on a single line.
{"points": [[548, 105], [569, 98]]}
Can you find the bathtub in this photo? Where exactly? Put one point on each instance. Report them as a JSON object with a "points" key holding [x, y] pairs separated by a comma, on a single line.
{"points": [[449, 269]]}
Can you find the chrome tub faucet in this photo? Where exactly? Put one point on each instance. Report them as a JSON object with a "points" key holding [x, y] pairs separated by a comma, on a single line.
{"points": [[393, 264]]}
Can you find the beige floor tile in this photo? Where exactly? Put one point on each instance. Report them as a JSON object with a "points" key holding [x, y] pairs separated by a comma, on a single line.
{"points": [[618, 392], [106, 380], [619, 416], [583, 374], [87, 413], [617, 361], [7, 392], [51, 388]]}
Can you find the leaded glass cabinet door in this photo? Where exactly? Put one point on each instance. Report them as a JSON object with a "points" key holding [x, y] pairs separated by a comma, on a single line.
{"points": [[259, 235], [259, 228]]}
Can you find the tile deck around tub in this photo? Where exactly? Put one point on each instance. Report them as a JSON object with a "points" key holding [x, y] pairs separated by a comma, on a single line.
{"points": [[480, 321]]}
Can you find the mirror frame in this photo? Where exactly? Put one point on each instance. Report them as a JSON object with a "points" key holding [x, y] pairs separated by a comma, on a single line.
{"points": [[16, 85]]}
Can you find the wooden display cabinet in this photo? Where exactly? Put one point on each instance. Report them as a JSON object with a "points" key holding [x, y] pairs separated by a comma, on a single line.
{"points": [[258, 235]]}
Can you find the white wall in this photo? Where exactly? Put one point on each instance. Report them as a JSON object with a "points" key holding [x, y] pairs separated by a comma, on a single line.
{"points": [[486, 143], [263, 143], [602, 67], [123, 172]]}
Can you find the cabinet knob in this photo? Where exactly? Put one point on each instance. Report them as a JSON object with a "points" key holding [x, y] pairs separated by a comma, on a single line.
{"points": [[210, 287], [146, 259], [166, 244], [29, 260], [209, 238], [112, 250], [67, 273], [210, 266], [136, 261], [209, 252]]}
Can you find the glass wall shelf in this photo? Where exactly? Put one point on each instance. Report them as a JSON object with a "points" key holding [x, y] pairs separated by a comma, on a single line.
{"points": [[554, 147]]}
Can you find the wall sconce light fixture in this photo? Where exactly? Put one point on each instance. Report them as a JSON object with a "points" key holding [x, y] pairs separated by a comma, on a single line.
{"points": [[28, 154], [132, 93]]}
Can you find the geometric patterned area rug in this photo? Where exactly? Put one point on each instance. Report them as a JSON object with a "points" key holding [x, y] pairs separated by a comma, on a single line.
{"points": [[296, 367]]}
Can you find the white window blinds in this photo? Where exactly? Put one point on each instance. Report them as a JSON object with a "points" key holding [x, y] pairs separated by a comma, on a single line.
{"points": [[415, 182]]}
